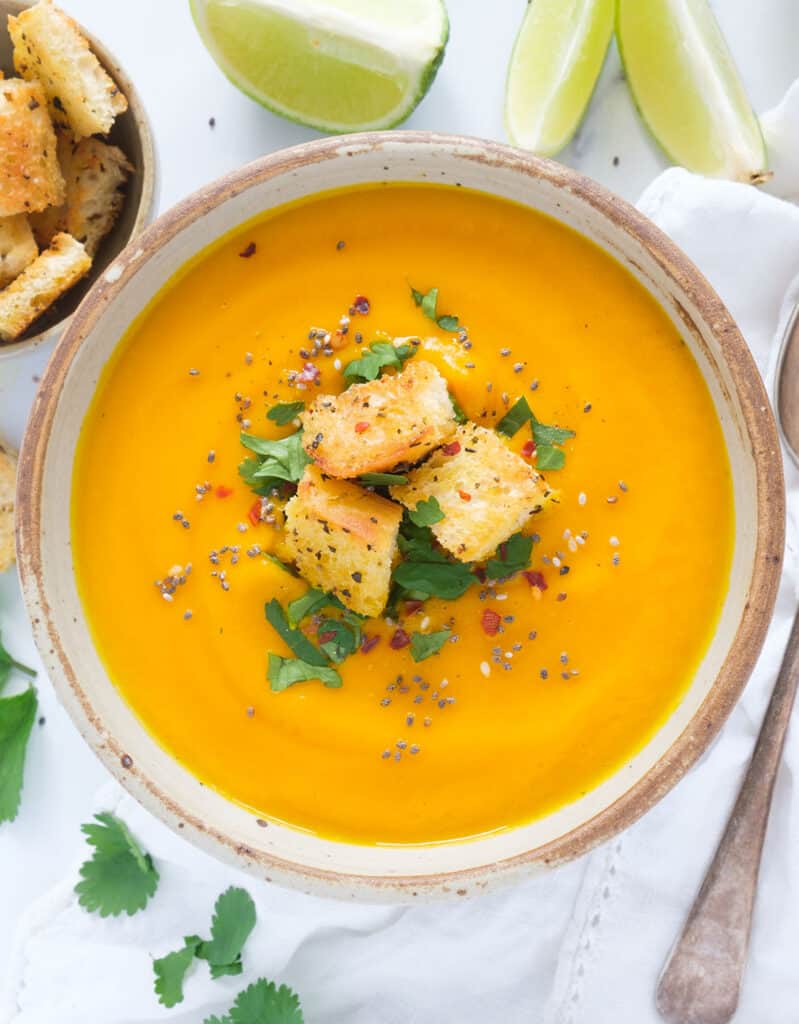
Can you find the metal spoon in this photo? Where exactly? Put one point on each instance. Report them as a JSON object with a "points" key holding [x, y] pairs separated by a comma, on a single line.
{"points": [[701, 980]]}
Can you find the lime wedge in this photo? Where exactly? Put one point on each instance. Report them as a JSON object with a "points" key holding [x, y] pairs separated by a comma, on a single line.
{"points": [[555, 63], [336, 65], [687, 88]]}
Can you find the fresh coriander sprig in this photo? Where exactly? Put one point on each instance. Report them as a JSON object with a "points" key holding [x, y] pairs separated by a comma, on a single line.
{"points": [[17, 715], [262, 1003], [285, 672], [512, 556], [428, 301], [424, 645], [379, 356], [120, 877], [285, 412], [548, 453], [233, 921]]}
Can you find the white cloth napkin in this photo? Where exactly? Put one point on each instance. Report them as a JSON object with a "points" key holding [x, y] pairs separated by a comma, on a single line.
{"points": [[582, 945]]}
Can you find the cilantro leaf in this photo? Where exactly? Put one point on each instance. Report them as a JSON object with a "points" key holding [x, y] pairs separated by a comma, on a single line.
{"points": [[289, 569], [512, 556], [337, 640], [547, 457], [427, 512], [515, 418], [297, 641], [233, 920], [120, 877], [281, 460], [460, 415], [9, 664], [544, 435], [263, 1003], [285, 412], [171, 970], [311, 601], [436, 578], [382, 479], [379, 356], [285, 672], [248, 468], [17, 715], [429, 305], [423, 645]]}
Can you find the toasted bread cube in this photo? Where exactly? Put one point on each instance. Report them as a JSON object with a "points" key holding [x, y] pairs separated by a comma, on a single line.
{"points": [[17, 247], [343, 539], [486, 492], [40, 284], [95, 174], [374, 426], [49, 46], [8, 483], [30, 178]]}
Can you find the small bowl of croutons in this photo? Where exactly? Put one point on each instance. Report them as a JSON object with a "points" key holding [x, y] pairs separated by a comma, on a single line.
{"points": [[77, 168]]}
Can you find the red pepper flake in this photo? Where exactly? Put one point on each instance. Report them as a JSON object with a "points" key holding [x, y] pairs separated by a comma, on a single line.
{"points": [[535, 578], [223, 492], [249, 251], [327, 636], [528, 451], [412, 606], [360, 304], [399, 640], [360, 427], [452, 448], [490, 621], [464, 496], [369, 643], [480, 574], [254, 515]]}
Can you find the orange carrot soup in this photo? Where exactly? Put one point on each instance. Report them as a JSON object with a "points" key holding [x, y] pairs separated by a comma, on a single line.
{"points": [[402, 516]]}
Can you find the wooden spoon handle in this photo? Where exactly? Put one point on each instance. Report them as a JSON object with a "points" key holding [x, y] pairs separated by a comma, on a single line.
{"points": [[701, 981]]}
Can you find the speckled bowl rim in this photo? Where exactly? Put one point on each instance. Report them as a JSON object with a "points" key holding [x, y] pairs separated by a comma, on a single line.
{"points": [[741, 655], [148, 171]]}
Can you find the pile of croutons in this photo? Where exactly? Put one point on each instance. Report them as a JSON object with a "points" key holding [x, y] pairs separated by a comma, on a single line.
{"points": [[343, 537], [61, 187]]}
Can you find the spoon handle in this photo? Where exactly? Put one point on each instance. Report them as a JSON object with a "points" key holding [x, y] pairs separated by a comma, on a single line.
{"points": [[701, 981]]}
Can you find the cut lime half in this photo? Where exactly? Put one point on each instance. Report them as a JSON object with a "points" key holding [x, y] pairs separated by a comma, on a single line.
{"points": [[687, 88], [554, 67], [336, 65]]}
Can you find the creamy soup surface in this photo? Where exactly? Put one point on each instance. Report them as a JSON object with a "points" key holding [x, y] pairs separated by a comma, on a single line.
{"points": [[596, 644]]}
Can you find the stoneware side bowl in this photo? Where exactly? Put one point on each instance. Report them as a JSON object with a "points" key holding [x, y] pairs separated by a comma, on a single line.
{"points": [[131, 132], [297, 858]]}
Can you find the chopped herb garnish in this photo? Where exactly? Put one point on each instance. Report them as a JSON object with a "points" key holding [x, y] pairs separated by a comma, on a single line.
{"points": [[544, 435], [280, 460], [427, 512], [426, 571], [515, 418], [262, 1003], [296, 640], [281, 564], [312, 600], [120, 877], [429, 305], [337, 640], [233, 920], [17, 715], [284, 672], [460, 415], [512, 556], [379, 356], [423, 645], [285, 412], [547, 457], [382, 479], [9, 664]]}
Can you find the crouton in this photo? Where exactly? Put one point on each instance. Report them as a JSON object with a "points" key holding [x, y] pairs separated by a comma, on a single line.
{"points": [[374, 426], [8, 483], [49, 46], [30, 178], [343, 539], [94, 173], [486, 492], [40, 284], [17, 247]]}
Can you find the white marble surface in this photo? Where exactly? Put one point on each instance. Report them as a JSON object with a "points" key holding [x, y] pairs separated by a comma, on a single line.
{"points": [[182, 88]]}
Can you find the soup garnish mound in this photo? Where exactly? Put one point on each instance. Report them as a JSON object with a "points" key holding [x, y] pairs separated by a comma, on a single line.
{"points": [[439, 529]]}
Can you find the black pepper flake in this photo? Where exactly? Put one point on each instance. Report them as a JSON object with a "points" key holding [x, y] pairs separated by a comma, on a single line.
{"points": [[356, 576], [340, 244], [249, 251]]}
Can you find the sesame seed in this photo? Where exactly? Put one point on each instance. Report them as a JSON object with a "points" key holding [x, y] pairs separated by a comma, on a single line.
{"points": [[248, 358], [518, 367], [616, 559], [485, 668], [564, 658], [544, 674], [612, 500], [582, 498], [336, 364], [187, 614], [587, 407], [532, 635], [401, 744], [504, 351], [565, 675], [427, 723], [194, 372], [614, 542], [414, 748], [623, 486], [386, 754], [385, 702], [534, 386], [409, 718]]}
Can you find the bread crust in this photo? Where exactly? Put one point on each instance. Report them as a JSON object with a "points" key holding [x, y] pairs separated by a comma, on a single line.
{"points": [[17, 247], [30, 177]]}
